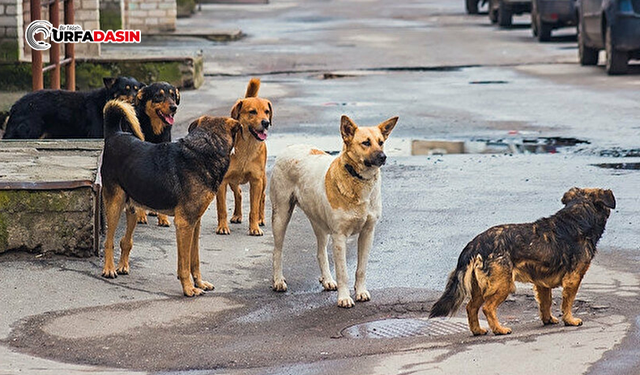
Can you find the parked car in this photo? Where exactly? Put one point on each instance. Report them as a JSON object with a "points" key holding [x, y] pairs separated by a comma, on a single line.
{"points": [[474, 5], [502, 11], [548, 15], [612, 25]]}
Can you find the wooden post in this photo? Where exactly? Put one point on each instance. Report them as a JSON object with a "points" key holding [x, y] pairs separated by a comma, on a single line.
{"points": [[69, 49], [36, 56], [54, 51]]}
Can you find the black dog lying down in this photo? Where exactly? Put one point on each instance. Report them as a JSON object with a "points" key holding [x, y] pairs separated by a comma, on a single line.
{"points": [[66, 114], [178, 179]]}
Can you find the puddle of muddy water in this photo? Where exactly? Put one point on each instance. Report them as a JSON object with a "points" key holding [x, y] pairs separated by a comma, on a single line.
{"points": [[537, 145]]}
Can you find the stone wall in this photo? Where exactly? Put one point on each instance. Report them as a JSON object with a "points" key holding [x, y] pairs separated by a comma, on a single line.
{"points": [[150, 16], [11, 34]]}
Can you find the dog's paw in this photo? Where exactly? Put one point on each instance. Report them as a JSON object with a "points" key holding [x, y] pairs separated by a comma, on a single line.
{"points": [[204, 285], [363, 296], [479, 332], [152, 213], [255, 232], [163, 221], [109, 273], [192, 291], [552, 320], [123, 269], [236, 219], [502, 331], [328, 284], [572, 321], [142, 218], [346, 302], [223, 229], [279, 285], [261, 223]]}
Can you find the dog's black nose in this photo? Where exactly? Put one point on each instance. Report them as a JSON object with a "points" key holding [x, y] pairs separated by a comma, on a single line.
{"points": [[266, 124], [380, 159], [173, 108]]}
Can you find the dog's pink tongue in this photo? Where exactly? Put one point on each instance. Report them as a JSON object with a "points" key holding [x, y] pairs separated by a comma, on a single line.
{"points": [[262, 135], [168, 119]]}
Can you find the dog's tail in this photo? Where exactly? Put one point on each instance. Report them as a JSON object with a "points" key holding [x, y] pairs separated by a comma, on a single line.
{"points": [[458, 285], [118, 116], [253, 88]]}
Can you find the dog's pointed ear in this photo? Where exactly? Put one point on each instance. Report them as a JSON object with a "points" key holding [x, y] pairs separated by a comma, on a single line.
{"points": [[194, 124], [177, 96], [347, 128], [270, 112], [387, 126], [139, 96], [109, 81], [570, 195], [235, 111], [607, 198]]}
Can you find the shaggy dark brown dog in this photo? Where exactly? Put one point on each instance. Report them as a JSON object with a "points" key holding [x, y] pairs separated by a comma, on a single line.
{"points": [[551, 252]]}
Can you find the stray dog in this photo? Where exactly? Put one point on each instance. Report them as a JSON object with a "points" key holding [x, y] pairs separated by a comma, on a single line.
{"points": [[66, 114], [550, 252], [178, 179], [248, 162], [340, 196], [156, 106]]}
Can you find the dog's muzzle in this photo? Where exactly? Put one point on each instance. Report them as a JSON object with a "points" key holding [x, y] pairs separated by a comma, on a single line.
{"points": [[378, 160]]}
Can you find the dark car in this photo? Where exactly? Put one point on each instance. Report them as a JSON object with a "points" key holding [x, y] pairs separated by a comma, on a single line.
{"points": [[548, 15], [612, 25], [502, 11]]}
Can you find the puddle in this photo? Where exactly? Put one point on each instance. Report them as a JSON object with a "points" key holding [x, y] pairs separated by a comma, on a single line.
{"points": [[488, 82], [536, 145], [621, 153], [627, 166], [397, 328]]}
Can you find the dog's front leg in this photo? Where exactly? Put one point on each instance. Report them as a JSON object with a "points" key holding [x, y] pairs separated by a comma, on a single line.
{"points": [[340, 263], [256, 192], [184, 236], [364, 246], [236, 218], [221, 206], [195, 261]]}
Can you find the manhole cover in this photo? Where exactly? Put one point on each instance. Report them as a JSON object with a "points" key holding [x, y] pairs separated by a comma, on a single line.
{"points": [[396, 328]]}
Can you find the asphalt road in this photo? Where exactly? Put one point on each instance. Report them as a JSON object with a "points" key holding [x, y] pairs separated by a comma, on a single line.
{"points": [[448, 76]]}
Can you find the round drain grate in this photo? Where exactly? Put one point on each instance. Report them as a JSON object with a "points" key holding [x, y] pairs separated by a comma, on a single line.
{"points": [[396, 328]]}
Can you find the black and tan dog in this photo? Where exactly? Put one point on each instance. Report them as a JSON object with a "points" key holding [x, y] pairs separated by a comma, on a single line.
{"points": [[248, 162], [178, 179], [66, 114], [550, 252], [156, 106]]}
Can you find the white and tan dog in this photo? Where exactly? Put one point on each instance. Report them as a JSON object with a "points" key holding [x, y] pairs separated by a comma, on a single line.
{"points": [[340, 196]]}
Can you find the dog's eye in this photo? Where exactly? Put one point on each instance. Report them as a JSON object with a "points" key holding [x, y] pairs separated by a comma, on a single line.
{"points": [[366, 143], [266, 112], [128, 87], [380, 143], [253, 112], [135, 87]]}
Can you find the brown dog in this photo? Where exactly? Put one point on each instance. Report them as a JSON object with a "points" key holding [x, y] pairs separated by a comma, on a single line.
{"points": [[248, 162], [550, 252], [176, 178]]}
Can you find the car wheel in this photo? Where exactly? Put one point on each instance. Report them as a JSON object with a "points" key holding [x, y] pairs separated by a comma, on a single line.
{"points": [[544, 31], [587, 55], [505, 18], [617, 61], [493, 14], [472, 6]]}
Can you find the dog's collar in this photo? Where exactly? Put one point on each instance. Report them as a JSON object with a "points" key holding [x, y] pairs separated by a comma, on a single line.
{"points": [[352, 172]]}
